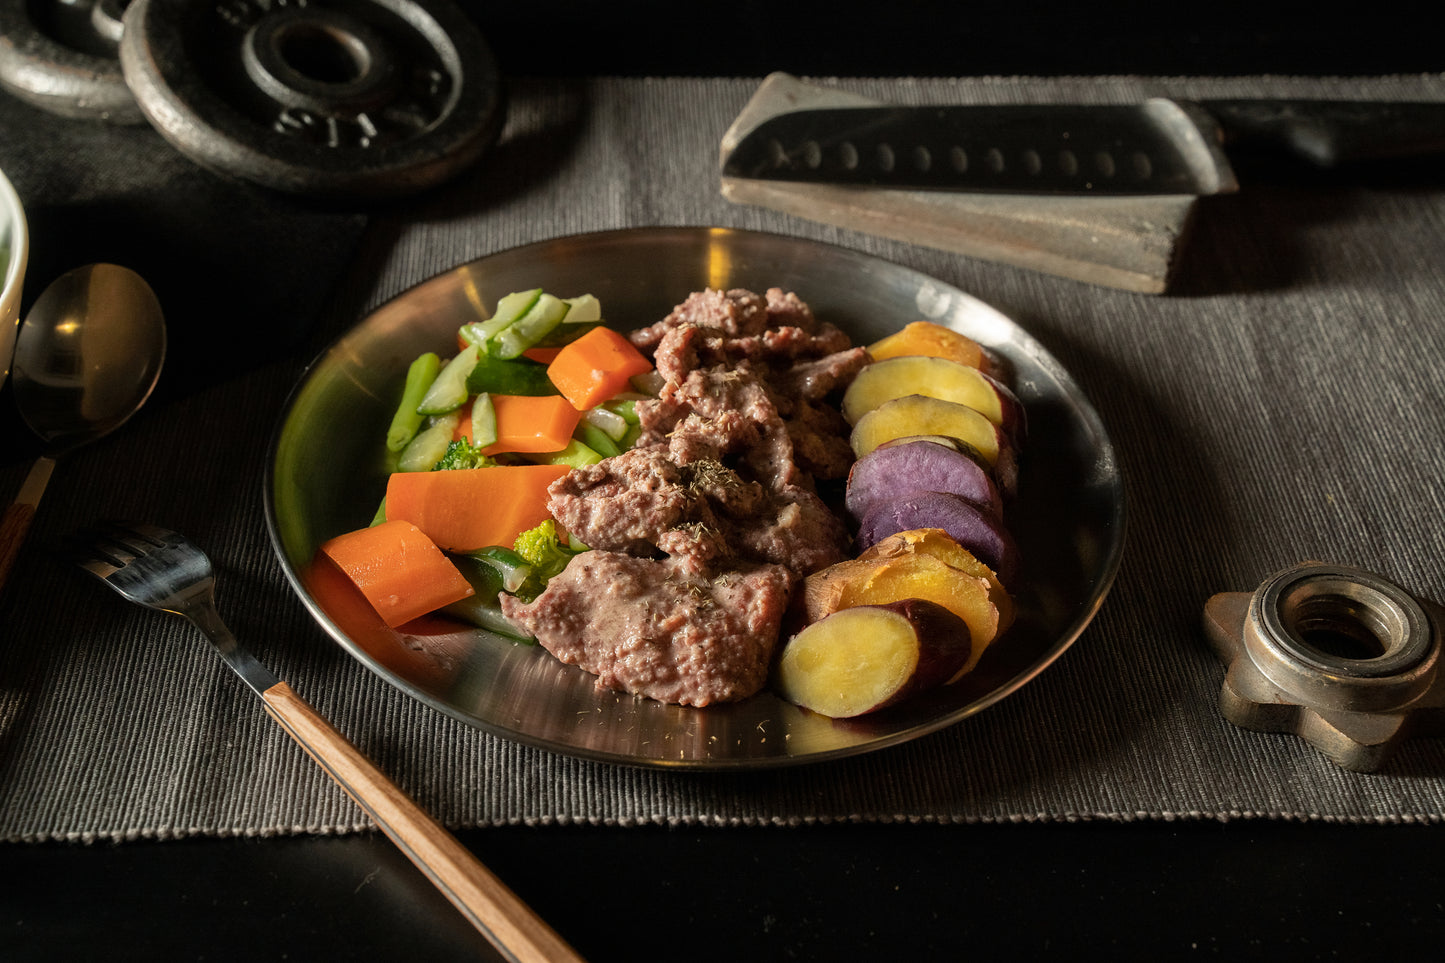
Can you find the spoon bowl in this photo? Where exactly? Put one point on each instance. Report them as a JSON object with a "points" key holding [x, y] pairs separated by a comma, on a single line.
{"points": [[87, 357]]}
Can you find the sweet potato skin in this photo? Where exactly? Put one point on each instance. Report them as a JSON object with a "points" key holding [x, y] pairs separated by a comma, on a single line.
{"points": [[890, 472], [1003, 473], [934, 340], [868, 658], [939, 544], [922, 415], [981, 533], [912, 575], [934, 377]]}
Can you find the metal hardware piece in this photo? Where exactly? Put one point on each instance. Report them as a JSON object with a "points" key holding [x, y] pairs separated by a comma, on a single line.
{"points": [[1341, 657], [342, 99], [62, 56]]}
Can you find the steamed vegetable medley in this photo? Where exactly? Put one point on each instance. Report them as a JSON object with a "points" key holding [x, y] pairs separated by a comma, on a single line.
{"points": [[539, 388], [544, 387]]}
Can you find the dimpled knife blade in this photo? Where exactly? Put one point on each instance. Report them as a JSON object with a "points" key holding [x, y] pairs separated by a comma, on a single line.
{"points": [[1155, 147]]}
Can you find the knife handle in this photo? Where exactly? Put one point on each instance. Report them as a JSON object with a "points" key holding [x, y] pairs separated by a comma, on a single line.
{"points": [[511, 926], [1332, 133]]}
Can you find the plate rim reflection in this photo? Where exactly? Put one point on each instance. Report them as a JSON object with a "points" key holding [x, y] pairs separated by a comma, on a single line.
{"points": [[1010, 341]]}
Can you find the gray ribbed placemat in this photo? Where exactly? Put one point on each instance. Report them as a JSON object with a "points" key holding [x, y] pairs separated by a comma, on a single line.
{"points": [[1285, 404]]}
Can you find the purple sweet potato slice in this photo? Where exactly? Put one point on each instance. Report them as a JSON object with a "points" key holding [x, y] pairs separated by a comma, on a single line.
{"points": [[888, 472], [982, 534]]}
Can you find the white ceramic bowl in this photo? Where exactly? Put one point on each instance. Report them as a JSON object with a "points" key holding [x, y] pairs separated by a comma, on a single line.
{"points": [[14, 254]]}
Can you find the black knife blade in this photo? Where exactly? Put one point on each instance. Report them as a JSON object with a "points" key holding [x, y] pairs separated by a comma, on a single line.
{"points": [[1159, 146]]}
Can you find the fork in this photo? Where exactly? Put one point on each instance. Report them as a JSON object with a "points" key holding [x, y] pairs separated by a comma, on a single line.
{"points": [[163, 570]]}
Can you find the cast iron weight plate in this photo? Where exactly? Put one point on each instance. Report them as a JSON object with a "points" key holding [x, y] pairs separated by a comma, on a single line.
{"points": [[62, 56], [340, 99]]}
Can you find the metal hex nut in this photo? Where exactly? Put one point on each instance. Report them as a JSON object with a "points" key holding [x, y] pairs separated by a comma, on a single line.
{"points": [[1338, 656]]}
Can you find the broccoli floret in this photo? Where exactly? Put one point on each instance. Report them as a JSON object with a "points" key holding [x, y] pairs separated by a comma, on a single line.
{"points": [[462, 454], [545, 551]]}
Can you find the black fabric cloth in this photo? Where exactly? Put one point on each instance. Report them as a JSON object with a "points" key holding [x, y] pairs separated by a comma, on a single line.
{"points": [[240, 271]]}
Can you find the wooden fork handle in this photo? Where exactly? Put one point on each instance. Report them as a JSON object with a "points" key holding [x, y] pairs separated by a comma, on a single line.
{"points": [[15, 523], [511, 926]]}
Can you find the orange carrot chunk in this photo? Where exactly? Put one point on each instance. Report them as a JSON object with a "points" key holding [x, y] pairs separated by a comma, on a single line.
{"points": [[595, 367], [529, 424], [471, 508], [398, 569], [544, 355]]}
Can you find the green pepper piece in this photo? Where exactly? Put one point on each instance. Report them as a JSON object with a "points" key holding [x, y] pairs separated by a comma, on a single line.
{"points": [[483, 608], [517, 376], [575, 455]]}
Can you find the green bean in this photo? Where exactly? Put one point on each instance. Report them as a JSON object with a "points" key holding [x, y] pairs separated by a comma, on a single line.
{"points": [[407, 421]]}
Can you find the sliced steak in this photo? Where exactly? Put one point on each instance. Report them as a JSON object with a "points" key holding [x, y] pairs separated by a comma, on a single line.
{"points": [[649, 627]]}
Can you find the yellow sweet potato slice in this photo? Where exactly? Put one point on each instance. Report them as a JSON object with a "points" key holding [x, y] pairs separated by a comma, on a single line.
{"points": [[866, 658], [938, 543], [921, 415], [909, 576], [933, 340], [941, 378]]}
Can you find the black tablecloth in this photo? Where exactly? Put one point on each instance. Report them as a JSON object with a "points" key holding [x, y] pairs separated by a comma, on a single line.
{"points": [[1198, 390]]}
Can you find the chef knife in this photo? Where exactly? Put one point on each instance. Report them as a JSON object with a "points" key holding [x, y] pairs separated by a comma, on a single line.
{"points": [[1159, 146]]}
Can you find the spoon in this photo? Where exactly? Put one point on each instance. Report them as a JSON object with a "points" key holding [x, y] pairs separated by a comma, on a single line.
{"points": [[86, 358]]}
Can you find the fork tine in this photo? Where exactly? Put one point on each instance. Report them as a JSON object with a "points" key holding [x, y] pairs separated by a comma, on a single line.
{"points": [[138, 537], [149, 565], [99, 567], [110, 545]]}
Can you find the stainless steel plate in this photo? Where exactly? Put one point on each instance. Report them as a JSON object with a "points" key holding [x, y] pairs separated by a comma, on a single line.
{"points": [[327, 476]]}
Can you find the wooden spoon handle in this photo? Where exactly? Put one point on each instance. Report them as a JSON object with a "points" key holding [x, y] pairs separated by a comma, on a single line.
{"points": [[511, 926], [15, 523]]}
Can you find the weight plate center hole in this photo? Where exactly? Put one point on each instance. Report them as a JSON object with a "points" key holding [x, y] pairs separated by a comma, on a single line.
{"points": [[323, 54], [90, 28], [317, 60]]}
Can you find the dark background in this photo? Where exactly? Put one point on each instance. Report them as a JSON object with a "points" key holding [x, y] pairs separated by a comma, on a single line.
{"points": [[959, 37], [1240, 890]]}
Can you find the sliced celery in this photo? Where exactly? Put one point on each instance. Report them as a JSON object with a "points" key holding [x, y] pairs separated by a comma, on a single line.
{"points": [[530, 328], [604, 419], [649, 383], [625, 406], [509, 309], [449, 391], [582, 309], [484, 421], [429, 446], [596, 439]]}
